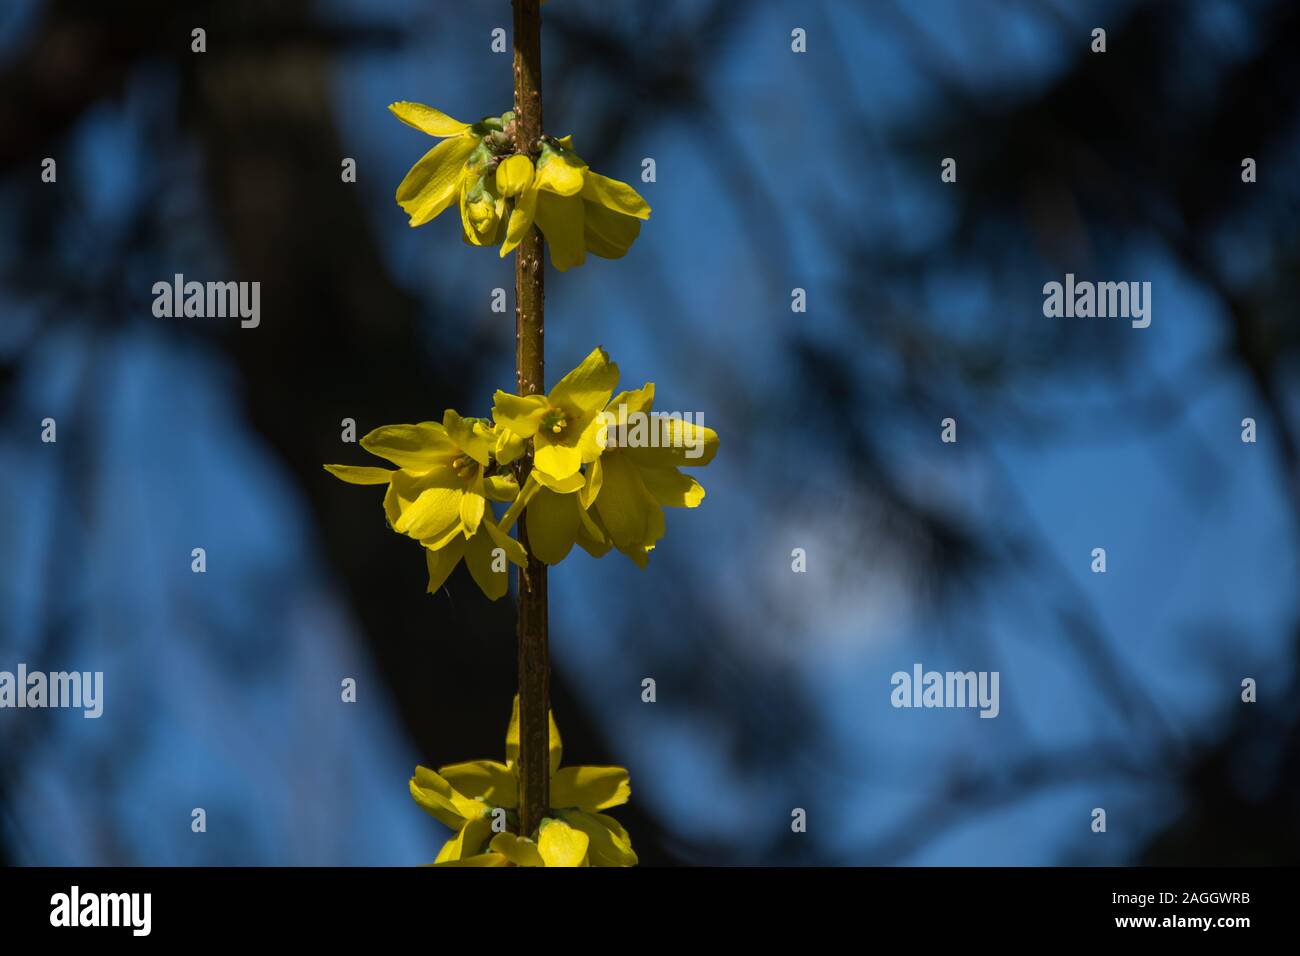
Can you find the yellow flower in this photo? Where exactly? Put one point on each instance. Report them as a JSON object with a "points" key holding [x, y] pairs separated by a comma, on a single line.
{"points": [[578, 211], [434, 182], [637, 475], [501, 192], [439, 484], [464, 796], [514, 175], [481, 210], [438, 495], [630, 482], [459, 169], [565, 423]]}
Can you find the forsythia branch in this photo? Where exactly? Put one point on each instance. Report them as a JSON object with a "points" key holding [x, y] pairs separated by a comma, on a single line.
{"points": [[533, 640], [583, 463]]}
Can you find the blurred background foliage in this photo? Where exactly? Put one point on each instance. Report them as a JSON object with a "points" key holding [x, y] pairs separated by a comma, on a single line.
{"points": [[775, 170]]}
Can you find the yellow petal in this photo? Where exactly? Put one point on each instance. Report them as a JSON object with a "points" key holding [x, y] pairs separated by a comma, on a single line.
{"points": [[594, 438], [427, 119], [625, 507], [472, 506], [610, 845], [561, 845], [445, 538], [555, 460], [428, 502], [614, 195], [512, 740], [519, 413], [590, 788], [437, 797], [591, 487], [530, 488], [514, 550], [509, 446], [514, 175], [488, 779], [632, 400], [501, 487], [470, 435], [404, 488], [433, 183], [480, 210], [467, 228], [360, 474], [561, 220], [588, 387], [518, 850], [670, 488], [393, 504], [681, 444], [552, 525], [483, 565], [591, 537], [449, 850], [562, 486], [468, 842], [443, 561], [416, 448], [512, 736], [555, 745], [606, 233], [521, 220], [560, 171]]}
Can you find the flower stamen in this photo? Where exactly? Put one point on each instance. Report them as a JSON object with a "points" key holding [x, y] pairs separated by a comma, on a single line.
{"points": [[555, 421], [464, 467]]}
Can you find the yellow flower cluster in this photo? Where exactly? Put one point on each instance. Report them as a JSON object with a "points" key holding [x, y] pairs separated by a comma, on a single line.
{"points": [[478, 799], [503, 187], [594, 482]]}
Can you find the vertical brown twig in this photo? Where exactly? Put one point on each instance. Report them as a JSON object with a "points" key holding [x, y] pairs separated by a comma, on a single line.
{"points": [[534, 650]]}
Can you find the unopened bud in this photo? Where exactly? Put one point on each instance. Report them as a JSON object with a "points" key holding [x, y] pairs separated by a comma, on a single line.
{"points": [[514, 175]]}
